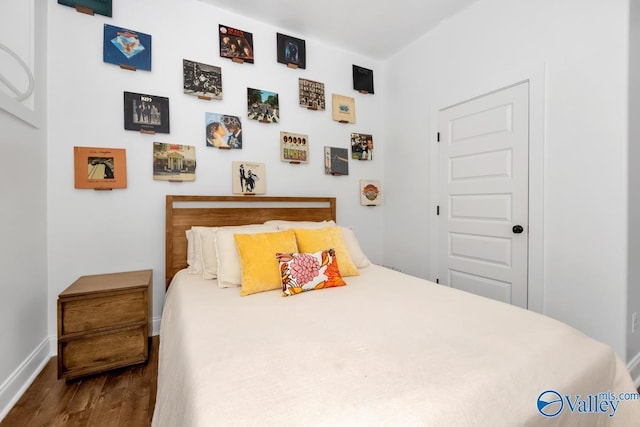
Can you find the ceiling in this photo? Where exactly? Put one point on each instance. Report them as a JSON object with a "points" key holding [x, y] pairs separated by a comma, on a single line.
{"points": [[376, 29]]}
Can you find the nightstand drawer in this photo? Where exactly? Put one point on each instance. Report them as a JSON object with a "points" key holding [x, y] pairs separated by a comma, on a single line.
{"points": [[103, 311], [96, 353]]}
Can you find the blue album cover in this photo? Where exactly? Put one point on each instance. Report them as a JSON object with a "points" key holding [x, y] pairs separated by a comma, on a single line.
{"points": [[126, 47]]}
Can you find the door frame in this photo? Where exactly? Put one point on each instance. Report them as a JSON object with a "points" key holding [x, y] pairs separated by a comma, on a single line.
{"points": [[536, 77]]}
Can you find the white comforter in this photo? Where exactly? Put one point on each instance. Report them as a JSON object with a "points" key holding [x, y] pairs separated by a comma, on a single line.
{"points": [[388, 349]]}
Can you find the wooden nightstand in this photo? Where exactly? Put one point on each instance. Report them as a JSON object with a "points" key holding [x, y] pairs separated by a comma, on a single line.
{"points": [[103, 323]]}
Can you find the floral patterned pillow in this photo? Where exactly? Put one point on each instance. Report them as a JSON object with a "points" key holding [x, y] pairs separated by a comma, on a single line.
{"points": [[307, 272]]}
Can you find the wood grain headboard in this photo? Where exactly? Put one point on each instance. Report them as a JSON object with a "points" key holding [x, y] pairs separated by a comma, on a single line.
{"points": [[183, 212]]}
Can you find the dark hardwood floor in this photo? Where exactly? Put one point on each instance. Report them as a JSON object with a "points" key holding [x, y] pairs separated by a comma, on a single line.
{"points": [[122, 397]]}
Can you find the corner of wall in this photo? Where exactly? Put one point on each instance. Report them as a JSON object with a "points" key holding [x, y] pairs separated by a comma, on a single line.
{"points": [[18, 382]]}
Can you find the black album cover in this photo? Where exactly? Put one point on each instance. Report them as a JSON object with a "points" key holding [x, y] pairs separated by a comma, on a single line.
{"points": [[291, 51]]}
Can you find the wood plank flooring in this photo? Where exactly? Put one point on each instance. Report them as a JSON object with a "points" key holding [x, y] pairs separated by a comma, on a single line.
{"points": [[118, 398]]}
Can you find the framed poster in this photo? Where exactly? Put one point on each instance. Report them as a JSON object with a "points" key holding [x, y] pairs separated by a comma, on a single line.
{"points": [[235, 44], [223, 131], [101, 7], [370, 193], [146, 113], [294, 147], [248, 178], [127, 48], [336, 161], [201, 80], [311, 94], [263, 106], [100, 168], [362, 79], [343, 108], [174, 162], [361, 146], [291, 51]]}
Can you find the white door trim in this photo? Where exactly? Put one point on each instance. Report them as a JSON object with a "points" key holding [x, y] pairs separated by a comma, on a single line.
{"points": [[536, 76]]}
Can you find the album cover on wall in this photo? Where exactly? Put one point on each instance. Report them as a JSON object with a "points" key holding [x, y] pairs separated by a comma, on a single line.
{"points": [[202, 80], [236, 44], [311, 94], [146, 113], [362, 79], [294, 147], [100, 168], [127, 48], [248, 178], [223, 131], [101, 7], [263, 106], [343, 108], [336, 161], [174, 162], [291, 51], [361, 146], [370, 193]]}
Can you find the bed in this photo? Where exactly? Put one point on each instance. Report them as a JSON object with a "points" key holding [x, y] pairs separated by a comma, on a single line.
{"points": [[386, 349]]}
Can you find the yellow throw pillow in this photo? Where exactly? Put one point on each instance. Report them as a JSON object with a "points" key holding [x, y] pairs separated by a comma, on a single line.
{"points": [[260, 269], [320, 239]]}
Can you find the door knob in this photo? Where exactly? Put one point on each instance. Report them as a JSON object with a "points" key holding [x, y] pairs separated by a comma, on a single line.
{"points": [[517, 229]]}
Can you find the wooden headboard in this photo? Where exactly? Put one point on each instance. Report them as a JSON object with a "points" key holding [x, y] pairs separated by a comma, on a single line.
{"points": [[182, 212]]}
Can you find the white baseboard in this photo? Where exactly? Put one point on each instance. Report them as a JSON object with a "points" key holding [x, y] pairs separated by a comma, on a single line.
{"points": [[155, 330], [18, 382], [634, 369]]}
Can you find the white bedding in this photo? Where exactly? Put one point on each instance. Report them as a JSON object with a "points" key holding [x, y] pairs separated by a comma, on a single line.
{"points": [[387, 349]]}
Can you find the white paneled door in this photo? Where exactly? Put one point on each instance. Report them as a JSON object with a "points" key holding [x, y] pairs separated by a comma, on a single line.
{"points": [[483, 200]]}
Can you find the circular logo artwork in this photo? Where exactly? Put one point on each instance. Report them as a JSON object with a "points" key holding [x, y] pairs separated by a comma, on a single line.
{"points": [[370, 191], [550, 403]]}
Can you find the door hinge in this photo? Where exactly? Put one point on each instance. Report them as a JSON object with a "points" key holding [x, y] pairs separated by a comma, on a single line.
{"points": [[438, 137], [438, 210]]}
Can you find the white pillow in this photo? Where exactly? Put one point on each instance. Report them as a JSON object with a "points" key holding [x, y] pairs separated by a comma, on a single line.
{"points": [[197, 264], [191, 253], [358, 257], [286, 225], [208, 253], [229, 265]]}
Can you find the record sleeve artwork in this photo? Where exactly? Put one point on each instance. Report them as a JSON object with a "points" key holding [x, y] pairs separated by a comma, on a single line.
{"points": [[101, 7], [174, 162], [370, 193], [311, 94], [361, 146], [291, 51], [127, 48], [294, 147], [248, 178], [343, 108], [263, 106], [202, 80], [223, 131], [336, 161], [236, 44], [362, 79], [146, 113], [100, 168]]}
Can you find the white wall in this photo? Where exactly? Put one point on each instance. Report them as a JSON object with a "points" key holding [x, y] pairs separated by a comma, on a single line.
{"points": [[23, 263], [581, 48], [94, 232]]}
